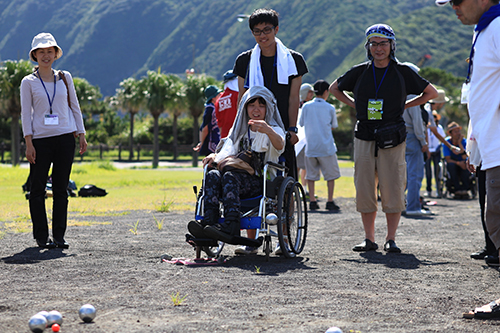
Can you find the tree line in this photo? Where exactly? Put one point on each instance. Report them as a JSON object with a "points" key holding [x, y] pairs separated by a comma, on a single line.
{"points": [[156, 92]]}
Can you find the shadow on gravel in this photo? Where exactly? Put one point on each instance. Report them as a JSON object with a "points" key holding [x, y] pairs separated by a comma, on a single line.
{"points": [[33, 255], [394, 260], [274, 267]]}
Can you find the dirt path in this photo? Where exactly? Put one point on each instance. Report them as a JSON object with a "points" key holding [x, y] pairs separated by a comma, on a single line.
{"points": [[424, 289]]}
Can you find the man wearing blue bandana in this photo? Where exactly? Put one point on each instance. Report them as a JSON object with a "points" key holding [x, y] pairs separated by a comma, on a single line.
{"points": [[482, 94], [380, 87]]}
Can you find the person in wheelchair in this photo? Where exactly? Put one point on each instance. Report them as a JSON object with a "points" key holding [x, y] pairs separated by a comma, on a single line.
{"points": [[257, 132], [456, 163]]}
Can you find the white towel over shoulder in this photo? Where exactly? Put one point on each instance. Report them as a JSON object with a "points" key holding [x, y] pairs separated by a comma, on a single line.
{"points": [[285, 65]]}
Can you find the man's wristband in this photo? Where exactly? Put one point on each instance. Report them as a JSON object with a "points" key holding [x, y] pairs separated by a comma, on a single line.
{"points": [[293, 129]]}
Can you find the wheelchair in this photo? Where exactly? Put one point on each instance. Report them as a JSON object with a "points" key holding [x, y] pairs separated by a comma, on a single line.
{"points": [[280, 212], [448, 188]]}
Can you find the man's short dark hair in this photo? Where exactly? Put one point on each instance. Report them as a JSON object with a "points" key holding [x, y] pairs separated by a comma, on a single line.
{"points": [[263, 15]]}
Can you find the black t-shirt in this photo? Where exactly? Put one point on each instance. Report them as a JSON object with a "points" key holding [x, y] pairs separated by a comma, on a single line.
{"points": [[280, 91], [399, 81]]}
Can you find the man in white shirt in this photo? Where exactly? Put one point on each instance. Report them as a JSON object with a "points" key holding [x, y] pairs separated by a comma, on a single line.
{"points": [[319, 118], [483, 99]]}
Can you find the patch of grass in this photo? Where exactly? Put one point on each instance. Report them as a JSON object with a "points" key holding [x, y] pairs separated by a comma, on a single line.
{"points": [[134, 228], [95, 213], [257, 269], [86, 223], [177, 299], [164, 206], [159, 224], [128, 189]]}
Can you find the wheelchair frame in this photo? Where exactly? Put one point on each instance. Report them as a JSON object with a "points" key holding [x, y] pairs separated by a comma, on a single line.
{"points": [[447, 187], [282, 206]]}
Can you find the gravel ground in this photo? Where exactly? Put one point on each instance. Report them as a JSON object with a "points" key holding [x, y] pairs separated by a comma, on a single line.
{"points": [[424, 289]]}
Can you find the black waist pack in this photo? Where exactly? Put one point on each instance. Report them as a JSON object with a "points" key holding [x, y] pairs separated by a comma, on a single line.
{"points": [[91, 191], [390, 135]]}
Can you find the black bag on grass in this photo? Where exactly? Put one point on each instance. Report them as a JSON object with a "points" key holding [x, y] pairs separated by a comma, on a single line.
{"points": [[90, 190]]}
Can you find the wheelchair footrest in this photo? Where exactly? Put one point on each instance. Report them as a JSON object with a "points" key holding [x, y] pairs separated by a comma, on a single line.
{"points": [[191, 240]]}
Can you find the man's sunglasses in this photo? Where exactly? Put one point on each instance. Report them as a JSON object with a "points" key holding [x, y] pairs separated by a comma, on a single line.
{"points": [[456, 2]]}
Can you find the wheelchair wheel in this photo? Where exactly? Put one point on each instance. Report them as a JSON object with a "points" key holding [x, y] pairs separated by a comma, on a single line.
{"points": [[283, 208], [213, 251], [296, 217]]}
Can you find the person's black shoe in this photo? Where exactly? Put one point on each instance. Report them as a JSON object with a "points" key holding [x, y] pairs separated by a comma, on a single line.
{"points": [[390, 246], [46, 244], [331, 206], [61, 244], [313, 205], [367, 245], [223, 231], [492, 261], [480, 254], [196, 229]]}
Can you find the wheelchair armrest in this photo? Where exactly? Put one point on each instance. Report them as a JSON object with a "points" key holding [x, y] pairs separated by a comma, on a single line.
{"points": [[278, 166]]}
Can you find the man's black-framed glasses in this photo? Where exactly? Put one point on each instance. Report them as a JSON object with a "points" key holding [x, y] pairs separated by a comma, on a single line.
{"points": [[456, 2], [266, 31]]}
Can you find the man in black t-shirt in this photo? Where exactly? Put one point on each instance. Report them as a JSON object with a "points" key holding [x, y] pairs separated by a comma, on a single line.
{"points": [[276, 67], [279, 69], [380, 87]]}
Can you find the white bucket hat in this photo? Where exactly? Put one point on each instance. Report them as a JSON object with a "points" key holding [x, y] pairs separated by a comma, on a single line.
{"points": [[44, 40]]}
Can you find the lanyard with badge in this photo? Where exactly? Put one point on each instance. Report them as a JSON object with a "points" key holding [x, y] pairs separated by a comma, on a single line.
{"points": [[50, 119], [376, 106], [466, 86]]}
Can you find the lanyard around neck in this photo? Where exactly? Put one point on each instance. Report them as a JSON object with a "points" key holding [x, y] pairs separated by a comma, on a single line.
{"points": [[377, 88], [48, 97]]}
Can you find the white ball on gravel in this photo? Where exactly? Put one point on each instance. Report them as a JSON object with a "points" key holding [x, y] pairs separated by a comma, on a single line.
{"points": [[54, 317], [333, 329], [87, 313], [37, 323], [43, 313]]}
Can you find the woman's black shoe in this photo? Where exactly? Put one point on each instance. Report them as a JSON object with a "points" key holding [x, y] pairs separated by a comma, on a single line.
{"points": [[61, 244], [46, 244], [492, 261]]}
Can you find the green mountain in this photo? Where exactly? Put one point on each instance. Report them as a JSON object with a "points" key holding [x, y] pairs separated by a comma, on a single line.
{"points": [[106, 41]]}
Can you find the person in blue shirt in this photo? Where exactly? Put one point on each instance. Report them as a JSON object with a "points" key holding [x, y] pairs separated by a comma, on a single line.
{"points": [[456, 163]]}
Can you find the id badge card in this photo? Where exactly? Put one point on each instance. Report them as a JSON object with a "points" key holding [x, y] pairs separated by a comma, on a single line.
{"points": [[51, 119], [375, 109], [465, 93]]}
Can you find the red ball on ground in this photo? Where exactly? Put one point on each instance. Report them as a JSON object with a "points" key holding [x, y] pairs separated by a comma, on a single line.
{"points": [[56, 328]]}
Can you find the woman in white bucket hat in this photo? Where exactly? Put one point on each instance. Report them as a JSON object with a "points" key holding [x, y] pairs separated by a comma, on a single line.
{"points": [[51, 119]]}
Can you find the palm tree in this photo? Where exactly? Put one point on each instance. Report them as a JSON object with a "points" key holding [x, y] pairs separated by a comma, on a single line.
{"points": [[156, 89], [131, 98], [195, 98], [89, 97], [177, 105], [11, 75]]}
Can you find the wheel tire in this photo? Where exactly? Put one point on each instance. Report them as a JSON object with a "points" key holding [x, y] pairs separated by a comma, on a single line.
{"points": [[297, 222], [267, 246], [285, 188]]}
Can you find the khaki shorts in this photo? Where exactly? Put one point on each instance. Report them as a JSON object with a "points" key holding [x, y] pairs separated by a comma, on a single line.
{"points": [[328, 165], [388, 170], [493, 204]]}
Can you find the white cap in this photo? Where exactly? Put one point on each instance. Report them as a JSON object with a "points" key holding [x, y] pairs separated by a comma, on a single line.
{"points": [[442, 2]]}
